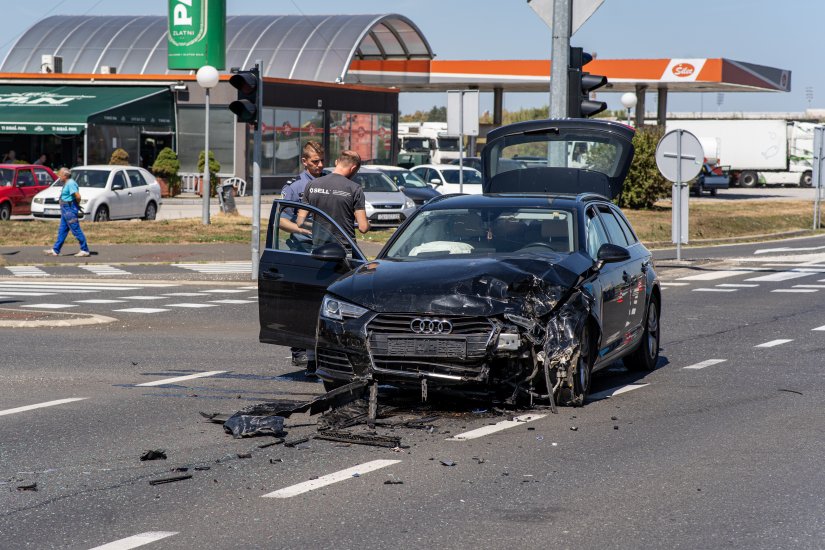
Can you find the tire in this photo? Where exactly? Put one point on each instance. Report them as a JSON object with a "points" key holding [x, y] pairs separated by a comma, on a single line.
{"points": [[584, 369], [807, 179], [700, 190], [646, 354], [5, 212], [151, 211], [748, 178], [102, 214], [713, 192]]}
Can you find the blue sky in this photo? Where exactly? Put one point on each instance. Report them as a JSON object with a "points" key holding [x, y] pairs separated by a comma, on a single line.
{"points": [[777, 34]]}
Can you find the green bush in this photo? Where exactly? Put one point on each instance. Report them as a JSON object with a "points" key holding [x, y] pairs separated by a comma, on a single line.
{"points": [[214, 168], [167, 167], [120, 157], [644, 184]]}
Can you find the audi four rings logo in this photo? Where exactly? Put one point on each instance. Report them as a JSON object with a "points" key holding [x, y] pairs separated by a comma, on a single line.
{"points": [[426, 325]]}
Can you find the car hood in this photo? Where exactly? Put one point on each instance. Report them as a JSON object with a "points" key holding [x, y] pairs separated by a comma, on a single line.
{"points": [[421, 193], [86, 193], [377, 197], [526, 284]]}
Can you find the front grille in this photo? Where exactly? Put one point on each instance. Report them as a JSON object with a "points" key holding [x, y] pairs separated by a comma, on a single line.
{"points": [[333, 360], [387, 206], [476, 330], [51, 201]]}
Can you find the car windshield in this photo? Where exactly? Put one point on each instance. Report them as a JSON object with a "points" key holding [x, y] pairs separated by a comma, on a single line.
{"points": [[375, 182], [470, 176], [448, 143], [599, 154], [6, 177], [485, 231], [416, 145], [91, 178], [406, 178]]}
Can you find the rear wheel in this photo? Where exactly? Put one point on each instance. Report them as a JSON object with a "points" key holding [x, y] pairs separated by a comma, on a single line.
{"points": [[102, 214], [713, 192], [646, 354], [151, 211], [748, 178], [5, 212], [807, 179]]}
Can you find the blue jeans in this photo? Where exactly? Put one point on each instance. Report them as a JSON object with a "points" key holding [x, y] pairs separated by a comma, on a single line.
{"points": [[68, 221]]}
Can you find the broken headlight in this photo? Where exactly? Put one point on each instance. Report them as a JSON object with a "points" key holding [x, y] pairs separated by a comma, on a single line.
{"points": [[333, 308]]}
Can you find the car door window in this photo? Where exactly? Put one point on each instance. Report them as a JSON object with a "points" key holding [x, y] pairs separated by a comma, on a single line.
{"points": [[319, 231], [135, 178], [596, 235], [625, 225], [43, 177], [614, 230], [119, 179], [25, 178]]}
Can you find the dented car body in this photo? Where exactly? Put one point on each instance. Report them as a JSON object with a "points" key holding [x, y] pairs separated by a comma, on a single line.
{"points": [[520, 292]]}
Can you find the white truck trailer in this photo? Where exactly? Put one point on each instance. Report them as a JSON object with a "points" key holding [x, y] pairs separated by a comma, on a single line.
{"points": [[430, 138], [758, 151]]}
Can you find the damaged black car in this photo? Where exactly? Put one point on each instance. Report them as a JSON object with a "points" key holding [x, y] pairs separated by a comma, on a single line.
{"points": [[521, 292]]}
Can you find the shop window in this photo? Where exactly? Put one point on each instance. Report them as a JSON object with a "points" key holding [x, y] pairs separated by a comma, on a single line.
{"points": [[191, 137]]}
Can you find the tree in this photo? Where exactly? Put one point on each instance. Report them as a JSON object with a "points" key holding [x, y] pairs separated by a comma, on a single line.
{"points": [[644, 184], [214, 168], [119, 157]]}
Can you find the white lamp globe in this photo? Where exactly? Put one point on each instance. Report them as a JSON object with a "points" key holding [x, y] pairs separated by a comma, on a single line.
{"points": [[208, 76], [629, 100]]}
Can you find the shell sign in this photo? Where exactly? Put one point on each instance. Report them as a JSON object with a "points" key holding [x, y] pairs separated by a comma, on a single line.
{"points": [[683, 70]]}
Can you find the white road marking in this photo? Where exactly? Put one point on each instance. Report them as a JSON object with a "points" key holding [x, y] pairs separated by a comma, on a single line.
{"points": [[143, 297], [738, 285], [99, 301], [41, 405], [613, 392], [822, 328], [713, 275], [787, 249], [707, 363], [191, 305], [232, 301], [18, 293], [795, 290], [142, 310], [809, 286], [253, 287], [96, 285], [32, 291], [27, 271], [497, 427], [714, 290], [674, 284], [329, 479], [186, 294], [49, 306], [136, 540], [218, 267], [103, 269], [773, 343], [784, 275], [181, 378], [225, 291]]}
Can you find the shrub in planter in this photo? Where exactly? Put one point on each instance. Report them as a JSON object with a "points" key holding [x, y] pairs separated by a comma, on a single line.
{"points": [[165, 169], [214, 168], [120, 157]]}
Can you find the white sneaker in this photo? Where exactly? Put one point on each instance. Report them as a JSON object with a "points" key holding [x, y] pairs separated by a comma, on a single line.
{"points": [[82, 254], [50, 252]]}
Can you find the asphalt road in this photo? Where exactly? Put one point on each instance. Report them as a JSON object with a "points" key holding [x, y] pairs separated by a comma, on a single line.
{"points": [[719, 447]]}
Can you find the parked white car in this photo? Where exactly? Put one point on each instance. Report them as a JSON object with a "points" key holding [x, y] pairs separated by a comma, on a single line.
{"points": [[444, 177], [107, 192]]}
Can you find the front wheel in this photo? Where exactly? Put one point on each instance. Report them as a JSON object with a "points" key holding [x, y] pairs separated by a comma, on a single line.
{"points": [[581, 378], [102, 214], [646, 354], [5, 212], [748, 178], [807, 179]]}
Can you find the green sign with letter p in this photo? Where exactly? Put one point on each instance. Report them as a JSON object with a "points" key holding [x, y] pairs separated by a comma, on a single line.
{"points": [[197, 34]]}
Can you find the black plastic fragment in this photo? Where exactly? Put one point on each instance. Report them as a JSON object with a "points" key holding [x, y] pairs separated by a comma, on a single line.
{"points": [[170, 479], [27, 486], [393, 482], [296, 442], [374, 440], [244, 455], [155, 454], [271, 443], [245, 425]]}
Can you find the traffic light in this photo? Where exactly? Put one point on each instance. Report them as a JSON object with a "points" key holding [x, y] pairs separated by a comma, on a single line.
{"points": [[248, 85], [579, 86]]}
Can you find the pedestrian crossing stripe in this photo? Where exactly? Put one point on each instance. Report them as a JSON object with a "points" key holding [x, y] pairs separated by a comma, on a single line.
{"points": [[217, 267], [27, 271], [103, 269]]}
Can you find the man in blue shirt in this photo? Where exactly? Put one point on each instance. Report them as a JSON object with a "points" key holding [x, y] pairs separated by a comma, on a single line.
{"points": [[312, 157], [69, 210]]}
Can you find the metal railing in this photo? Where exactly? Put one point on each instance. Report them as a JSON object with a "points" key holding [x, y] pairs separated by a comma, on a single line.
{"points": [[190, 182]]}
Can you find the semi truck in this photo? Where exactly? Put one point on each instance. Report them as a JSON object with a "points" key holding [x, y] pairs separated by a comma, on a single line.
{"points": [[427, 138], [757, 151]]}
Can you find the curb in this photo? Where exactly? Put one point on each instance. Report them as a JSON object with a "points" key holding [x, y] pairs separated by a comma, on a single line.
{"points": [[81, 319]]}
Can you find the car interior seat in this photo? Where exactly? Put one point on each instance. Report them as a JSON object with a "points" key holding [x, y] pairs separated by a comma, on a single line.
{"points": [[509, 234], [555, 233], [469, 229]]}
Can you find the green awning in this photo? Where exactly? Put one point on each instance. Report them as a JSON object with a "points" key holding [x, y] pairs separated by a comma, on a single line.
{"points": [[68, 109]]}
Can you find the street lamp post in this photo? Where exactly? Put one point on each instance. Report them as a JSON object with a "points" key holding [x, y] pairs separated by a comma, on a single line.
{"points": [[207, 77], [629, 101]]}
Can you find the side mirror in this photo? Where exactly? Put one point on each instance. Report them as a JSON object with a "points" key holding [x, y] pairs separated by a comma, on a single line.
{"points": [[611, 253], [330, 252], [400, 187], [435, 181], [117, 186]]}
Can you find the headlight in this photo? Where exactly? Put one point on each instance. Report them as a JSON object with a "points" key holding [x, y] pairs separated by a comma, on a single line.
{"points": [[38, 200], [409, 203], [333, 308], [83, 202]]}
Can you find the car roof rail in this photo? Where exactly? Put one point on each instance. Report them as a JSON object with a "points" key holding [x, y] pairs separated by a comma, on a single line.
{"points": [[591, 196]]}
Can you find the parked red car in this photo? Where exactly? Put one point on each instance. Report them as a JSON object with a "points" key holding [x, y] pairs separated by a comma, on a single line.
{"points": [[19, 183]]}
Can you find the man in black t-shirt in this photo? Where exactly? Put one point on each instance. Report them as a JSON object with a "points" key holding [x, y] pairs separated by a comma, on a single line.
{"points": [[339, 197]]}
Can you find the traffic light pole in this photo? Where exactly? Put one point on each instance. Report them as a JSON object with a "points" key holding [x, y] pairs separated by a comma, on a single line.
{"points": [[256, 178], [562, 26]]}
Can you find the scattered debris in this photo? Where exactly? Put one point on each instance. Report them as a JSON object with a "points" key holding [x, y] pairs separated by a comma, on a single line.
{"points": [[277, 441], [539, 438], [296, 442], [356, 474], [27, 486], [180, 469], [170, 479], [479, 460], [361, 439], [244, 455], [396, 482], [791, 391], [614, 418], [573, 429], [156, 454], [448, 463], [275, 460], [615, 427], [246, 425], [202, 468]]}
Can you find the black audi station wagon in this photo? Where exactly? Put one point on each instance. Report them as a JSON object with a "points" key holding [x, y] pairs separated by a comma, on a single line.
{"points": [[520, 292]]}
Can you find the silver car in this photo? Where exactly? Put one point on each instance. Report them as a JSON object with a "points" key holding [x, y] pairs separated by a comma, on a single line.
{"points": [[386, 205]]}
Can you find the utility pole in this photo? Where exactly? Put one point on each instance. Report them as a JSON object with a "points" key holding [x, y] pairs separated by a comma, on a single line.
{"points": [[562, 29]]}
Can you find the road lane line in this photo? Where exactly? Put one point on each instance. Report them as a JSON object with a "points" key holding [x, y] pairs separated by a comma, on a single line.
{"points": [[99, 301], [784, 276], [136, 540], [774, 343], [233, 301], [329, 479], [796, 290], [715, 290], [50, 306], [497, 427], [142, 310], [738, 285], [674, 284], [707, 363], [820, 328], [809, 286], [195, 306], [181, 378], [713, 275], [613, 392], [41, 405]]}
